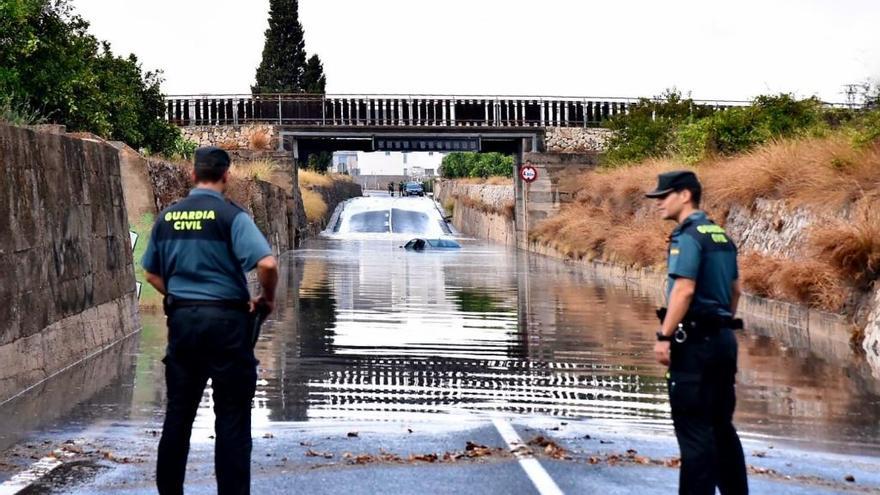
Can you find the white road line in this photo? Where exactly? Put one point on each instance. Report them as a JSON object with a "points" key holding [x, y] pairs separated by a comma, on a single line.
{"points": [[536, 473], [37, 470]]}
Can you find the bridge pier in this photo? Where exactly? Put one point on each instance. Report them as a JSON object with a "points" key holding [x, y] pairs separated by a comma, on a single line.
{"points": [[553, 187]]}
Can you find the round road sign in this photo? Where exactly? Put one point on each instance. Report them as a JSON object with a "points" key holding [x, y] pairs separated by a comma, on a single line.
{"points": [[528, 173]]}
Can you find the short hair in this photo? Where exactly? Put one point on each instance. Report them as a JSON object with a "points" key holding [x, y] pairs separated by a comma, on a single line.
{"points": [[205, 174], [696, 194]]}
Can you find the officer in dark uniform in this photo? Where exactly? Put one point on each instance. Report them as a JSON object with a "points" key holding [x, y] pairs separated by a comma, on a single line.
{"points": [[199, 252], [697, 342]]}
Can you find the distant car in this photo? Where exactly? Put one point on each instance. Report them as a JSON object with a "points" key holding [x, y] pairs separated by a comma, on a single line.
{"points": [[414, 189], [423, 244]]}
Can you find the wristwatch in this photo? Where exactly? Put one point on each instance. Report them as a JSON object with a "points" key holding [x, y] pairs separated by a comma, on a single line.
{"points": [[661, 337]]}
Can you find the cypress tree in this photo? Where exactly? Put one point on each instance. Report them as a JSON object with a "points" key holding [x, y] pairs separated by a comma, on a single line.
{"points": [[284, 54], [314, 80]]}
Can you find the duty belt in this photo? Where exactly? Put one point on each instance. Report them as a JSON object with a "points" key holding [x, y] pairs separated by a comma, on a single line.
{"points": [[700, 325], [170, 303]]}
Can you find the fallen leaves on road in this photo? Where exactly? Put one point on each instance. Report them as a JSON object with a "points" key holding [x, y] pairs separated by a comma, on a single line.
{"points": [[551, 448], [325, 455]]}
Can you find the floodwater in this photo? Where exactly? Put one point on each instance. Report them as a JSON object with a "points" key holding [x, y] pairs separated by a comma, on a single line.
{"points": [[366, 330]]}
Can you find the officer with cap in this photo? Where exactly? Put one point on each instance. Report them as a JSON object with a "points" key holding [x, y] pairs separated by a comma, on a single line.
{"points": [[199, 252], [696, 340]]}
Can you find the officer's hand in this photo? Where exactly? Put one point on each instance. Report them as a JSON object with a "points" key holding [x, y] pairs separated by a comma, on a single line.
{"points": [[661, 353], [270, 305]]}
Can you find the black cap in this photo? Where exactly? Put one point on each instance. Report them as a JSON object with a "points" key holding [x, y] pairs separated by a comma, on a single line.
{"points": [[211, 157], [674, 181]]}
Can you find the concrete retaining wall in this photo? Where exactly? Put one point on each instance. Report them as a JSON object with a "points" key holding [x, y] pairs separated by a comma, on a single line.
{"points": [[480, 210], [66, 274]]}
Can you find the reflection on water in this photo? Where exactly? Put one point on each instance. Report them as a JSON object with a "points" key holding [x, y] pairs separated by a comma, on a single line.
{"points": [[366, 330], [382, 333]]}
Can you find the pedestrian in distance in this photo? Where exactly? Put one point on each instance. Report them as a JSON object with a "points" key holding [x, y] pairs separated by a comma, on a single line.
{"points": [[697, 342], [199, 252], [391, 189]]}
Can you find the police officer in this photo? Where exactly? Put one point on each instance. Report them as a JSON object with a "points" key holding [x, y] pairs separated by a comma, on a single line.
{"points": [[199, 252], [697, 342]]}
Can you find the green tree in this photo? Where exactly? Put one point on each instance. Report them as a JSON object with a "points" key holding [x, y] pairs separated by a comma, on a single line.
{"points": [[469, 164], [320, 162], [314, 80], [284, 53], [648, 128], [51, 64]]}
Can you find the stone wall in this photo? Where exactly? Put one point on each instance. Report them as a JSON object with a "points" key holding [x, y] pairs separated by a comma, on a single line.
{"points": [[230, 137], [333, 196], [270, 205], [575, 139], [66, 272]]}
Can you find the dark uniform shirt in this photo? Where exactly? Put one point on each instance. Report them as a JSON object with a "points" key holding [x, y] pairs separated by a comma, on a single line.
{"points": [[702, 251], [202, 247]]}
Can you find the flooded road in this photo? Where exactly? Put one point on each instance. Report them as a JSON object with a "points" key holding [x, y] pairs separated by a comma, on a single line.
{"points": [[386, 334], [369, 333]]}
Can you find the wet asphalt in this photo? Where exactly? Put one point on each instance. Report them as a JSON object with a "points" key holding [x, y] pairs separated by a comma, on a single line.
{"points": [[537, 349], [395, 457]]}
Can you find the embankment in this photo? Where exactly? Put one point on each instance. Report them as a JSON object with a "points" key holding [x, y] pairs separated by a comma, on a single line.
{"points": [[268, 203], [582, 235], [66, 273], [484, 211]]}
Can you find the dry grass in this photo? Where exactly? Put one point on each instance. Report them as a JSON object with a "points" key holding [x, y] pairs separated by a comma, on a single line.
{"points": [[506, 210], [313, 204], [229, 144], [812, 282], [259, 140], [818, 172], [611, 220], [258, 169], [852, 247], [341, 178], [491, 181], [309, 178]]}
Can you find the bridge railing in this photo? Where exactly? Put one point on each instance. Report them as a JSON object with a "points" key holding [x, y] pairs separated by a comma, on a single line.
{"points": [[400, 110]]}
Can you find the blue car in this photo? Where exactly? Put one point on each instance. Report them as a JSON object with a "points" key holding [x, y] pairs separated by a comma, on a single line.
{"points": [[414, 189]]}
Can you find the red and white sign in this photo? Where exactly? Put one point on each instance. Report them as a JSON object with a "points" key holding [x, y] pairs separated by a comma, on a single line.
{"points": [[528, 173]]}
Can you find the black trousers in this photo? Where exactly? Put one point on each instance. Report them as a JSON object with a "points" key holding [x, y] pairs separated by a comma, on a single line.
{"points": [[208, 342], [702, 396]]}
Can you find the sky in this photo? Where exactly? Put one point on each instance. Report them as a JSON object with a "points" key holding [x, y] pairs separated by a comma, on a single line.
{"points": [[731, 50]]}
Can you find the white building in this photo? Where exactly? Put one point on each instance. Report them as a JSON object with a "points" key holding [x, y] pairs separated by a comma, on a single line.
{"points": [[415, 164], [344, 162]]}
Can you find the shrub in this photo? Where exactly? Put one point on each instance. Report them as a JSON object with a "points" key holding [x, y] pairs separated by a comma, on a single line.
{"points": [[319, 162], [647, 129], [19, 113], [308, 178], [851, 247], [314, 204], [469, 164], [181, 149], [259, 140], [257, 169]]}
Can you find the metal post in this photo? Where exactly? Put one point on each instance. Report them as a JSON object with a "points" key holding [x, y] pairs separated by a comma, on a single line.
{"points": [[279, 109]]}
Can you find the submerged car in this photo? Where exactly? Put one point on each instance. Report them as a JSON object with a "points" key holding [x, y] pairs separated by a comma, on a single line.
{"points": [[423, 244], [414, 189]]}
